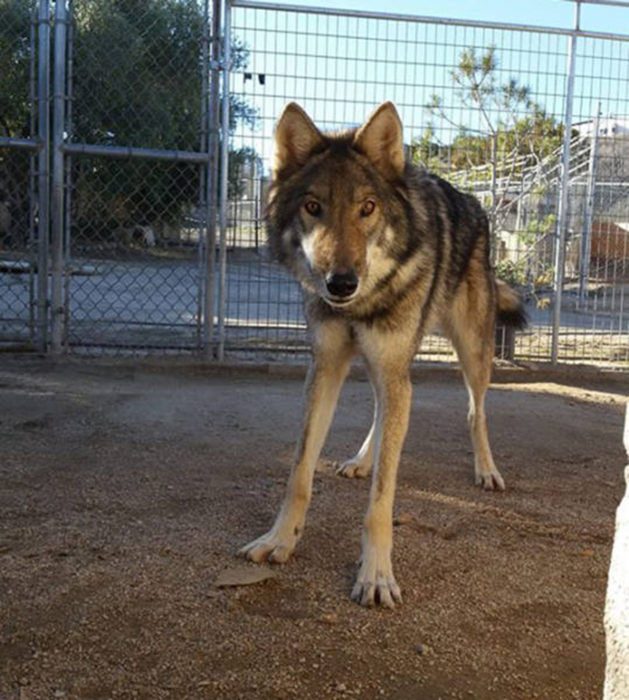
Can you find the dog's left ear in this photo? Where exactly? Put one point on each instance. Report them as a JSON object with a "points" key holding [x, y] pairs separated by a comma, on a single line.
{"points": [[380, 139]]}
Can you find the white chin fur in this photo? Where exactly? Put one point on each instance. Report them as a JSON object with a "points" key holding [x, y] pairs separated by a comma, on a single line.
{"points": [[339, 303]]}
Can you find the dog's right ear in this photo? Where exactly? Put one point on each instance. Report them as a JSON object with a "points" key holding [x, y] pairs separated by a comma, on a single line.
{"points": [[296, 137]]}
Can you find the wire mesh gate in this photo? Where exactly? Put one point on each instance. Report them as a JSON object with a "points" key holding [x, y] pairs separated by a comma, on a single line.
{"points": [[129, 223], [114, 247]]}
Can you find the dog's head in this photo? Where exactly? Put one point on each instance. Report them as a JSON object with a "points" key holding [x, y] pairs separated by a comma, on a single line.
{"points": [[332, 203]]}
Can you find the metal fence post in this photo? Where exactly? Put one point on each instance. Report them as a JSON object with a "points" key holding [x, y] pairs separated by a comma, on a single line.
{"points": [[203, 169], [32, 181], [57, 187], [562, 219], [211, 181], [586, 234], [222, 272], [69, 131], [43, 166]]}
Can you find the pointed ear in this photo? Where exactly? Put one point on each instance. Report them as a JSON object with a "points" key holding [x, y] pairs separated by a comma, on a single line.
{"points": [[380, 139], [296, 137]]}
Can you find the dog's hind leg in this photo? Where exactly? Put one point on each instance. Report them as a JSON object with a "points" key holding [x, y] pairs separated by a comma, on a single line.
{"points": [[333, 350], [361, 463], [471, 329]]}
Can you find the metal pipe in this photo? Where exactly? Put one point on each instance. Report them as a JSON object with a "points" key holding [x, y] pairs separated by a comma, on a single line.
{"points": [[57, 213], [134, 152], [67, 241], [615, 3], [43, 164], [32, 176], [203, 146], [562, 219], [423, 19], [24, 144], [586, 234], [222, 252], [211, 196]]}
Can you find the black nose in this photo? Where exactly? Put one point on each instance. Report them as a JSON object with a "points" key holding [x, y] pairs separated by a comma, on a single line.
{"points": [[341, 284]]}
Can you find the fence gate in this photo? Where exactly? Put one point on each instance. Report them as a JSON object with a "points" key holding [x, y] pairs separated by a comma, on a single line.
{"points": [[111, 246]]}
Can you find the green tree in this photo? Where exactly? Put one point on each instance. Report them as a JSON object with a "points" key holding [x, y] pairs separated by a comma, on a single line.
{"points": [[137, 76], [136, 81], [14, 67], [513, 137], [14, 120]]}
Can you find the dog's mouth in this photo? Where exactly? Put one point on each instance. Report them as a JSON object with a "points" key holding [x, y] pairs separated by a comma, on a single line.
{"points": [[339, 302]]}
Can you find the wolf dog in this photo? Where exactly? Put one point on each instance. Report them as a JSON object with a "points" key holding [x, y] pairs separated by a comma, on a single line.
{"points": [[384, 252]]}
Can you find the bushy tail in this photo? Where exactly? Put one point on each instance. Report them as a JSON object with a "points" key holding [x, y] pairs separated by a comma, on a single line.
{"points": [[511, 310]]}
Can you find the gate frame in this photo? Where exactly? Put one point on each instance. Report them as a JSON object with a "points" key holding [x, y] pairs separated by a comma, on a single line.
{"points": [[205, 157]]}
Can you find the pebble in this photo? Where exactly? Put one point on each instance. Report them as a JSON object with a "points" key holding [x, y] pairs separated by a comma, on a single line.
{"points": [[329, 618]]}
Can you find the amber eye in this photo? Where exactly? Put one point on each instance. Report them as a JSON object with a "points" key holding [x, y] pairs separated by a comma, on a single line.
{"points": [[368, 207], [313, 207]]}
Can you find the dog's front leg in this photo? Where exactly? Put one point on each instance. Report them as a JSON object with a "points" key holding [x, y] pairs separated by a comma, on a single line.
{"points": [[375, 582], [332, 354]]}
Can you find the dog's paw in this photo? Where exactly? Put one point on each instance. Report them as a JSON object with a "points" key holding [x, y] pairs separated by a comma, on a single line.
{"points": [[270, 547], [490, 480], [375, 583], [354, 469]]}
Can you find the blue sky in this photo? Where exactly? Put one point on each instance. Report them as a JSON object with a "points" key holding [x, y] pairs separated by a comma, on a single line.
{"points": [[339, 69]]}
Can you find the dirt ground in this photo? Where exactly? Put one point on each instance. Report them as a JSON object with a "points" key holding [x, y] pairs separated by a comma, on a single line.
{"points": [[127, 489]]}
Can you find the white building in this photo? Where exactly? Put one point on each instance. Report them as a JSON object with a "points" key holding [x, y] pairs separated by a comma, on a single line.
{"points": [[607, 127]]}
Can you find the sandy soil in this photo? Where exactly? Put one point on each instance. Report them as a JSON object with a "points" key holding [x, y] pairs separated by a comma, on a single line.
{"points": [[126, 491]]}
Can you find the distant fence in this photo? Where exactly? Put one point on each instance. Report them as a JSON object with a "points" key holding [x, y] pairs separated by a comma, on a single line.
{"points": [[134, 163]]}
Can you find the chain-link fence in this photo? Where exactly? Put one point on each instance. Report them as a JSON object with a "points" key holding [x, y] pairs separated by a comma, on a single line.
{"points": [[104, 229], [128, 223], [136, 201], [19, 53]]}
